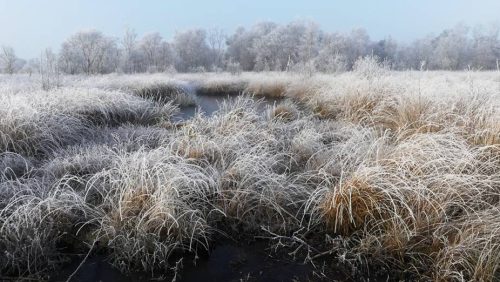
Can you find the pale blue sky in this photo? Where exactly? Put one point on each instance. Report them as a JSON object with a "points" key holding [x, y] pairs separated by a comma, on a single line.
{"points": [[29, 25]]}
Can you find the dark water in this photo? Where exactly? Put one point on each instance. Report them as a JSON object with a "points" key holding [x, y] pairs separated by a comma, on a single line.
{"points": [[95, 268], [208, 104], [231, 262], [228, 261]]}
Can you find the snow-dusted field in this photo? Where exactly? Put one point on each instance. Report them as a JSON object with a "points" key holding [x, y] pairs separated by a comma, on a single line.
{"points": [[363, 169]]}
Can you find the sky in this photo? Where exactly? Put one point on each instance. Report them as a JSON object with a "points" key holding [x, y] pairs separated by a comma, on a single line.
{"points": [[30, 26]]}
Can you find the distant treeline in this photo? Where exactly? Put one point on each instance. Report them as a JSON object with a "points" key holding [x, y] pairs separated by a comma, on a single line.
{"points": [[297, 46]]}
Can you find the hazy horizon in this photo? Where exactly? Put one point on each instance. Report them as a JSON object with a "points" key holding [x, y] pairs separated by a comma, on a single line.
{"points": [[30, 26]]}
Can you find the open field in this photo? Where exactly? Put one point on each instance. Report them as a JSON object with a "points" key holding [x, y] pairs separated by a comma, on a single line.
{"points": [[398, 171]]}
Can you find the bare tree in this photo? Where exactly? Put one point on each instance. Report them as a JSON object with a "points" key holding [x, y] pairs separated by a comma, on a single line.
{"points": [[90, 51], [297, 46], [216, 39], [452, 49], [150, 46], [129, 43], [166, 57], [49, 70], [8, 59], [192, 50], [286, 46], [485, 47]]}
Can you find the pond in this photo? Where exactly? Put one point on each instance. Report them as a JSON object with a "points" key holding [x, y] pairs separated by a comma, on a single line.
{"points": [[208, 104]]}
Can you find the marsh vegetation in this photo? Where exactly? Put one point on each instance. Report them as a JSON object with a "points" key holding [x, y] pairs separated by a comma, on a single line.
{"points": [[397, 172]]}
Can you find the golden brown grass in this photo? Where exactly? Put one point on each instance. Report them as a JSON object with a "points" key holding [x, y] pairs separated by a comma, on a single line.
{"points": [[351, 206]]}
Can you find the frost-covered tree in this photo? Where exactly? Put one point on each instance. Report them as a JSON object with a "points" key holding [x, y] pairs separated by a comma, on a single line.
{"points": [[150, 46], [485, 47], [385, 50], [70, 59], [287, 45], [416, 55], [299, 46], [451, 49], [166, 58], [216, 39], [8, 59], [192, 50], [357, 46], [31, 66], [239, 49], [310, 39], [331, 56], [129, 59], [241, 45], [89, 52], [49, 70]]}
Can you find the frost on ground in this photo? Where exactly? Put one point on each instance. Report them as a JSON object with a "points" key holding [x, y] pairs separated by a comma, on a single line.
{"points": [[370, 167]]}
